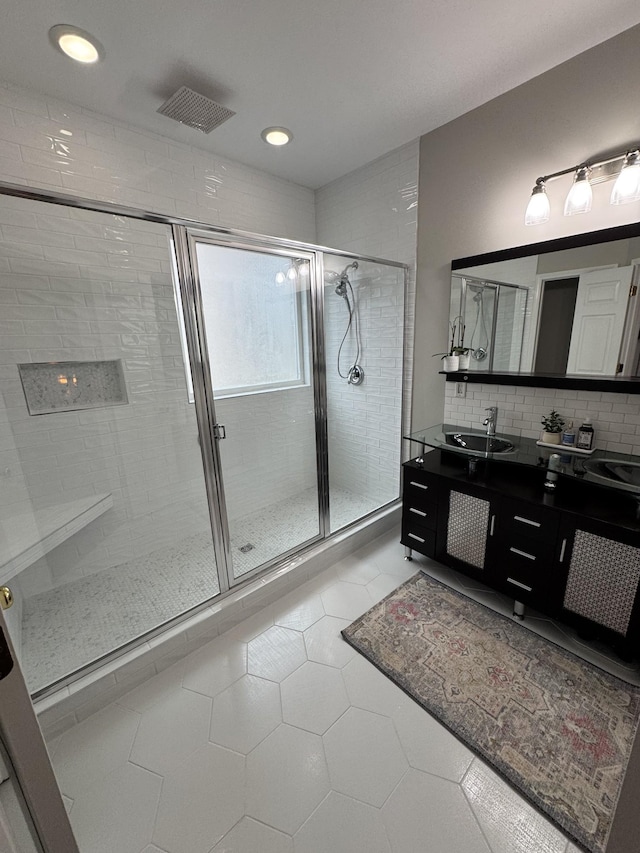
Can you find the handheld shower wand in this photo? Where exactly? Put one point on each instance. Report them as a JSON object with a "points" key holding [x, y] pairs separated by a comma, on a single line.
{"points": [[355, 374]]}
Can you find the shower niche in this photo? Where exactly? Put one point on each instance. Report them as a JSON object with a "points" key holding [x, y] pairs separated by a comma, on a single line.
{"points": [[249, 406]]}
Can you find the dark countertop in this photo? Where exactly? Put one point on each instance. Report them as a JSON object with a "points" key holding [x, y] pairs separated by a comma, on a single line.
{"points": [[526, 453]]}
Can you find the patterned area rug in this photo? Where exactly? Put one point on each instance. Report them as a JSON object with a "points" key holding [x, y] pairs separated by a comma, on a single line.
{"points": [[557, 728]]}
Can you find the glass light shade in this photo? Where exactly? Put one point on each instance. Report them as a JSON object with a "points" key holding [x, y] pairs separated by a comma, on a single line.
{"points": [[580, 195], [75, 43], [292, 273], [627, 185], [538, 209], [280, 279], [78, 48]]}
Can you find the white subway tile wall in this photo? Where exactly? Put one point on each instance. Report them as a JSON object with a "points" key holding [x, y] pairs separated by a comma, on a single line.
{"points": [[364, 422], [372, 211], [616, 417], [53, 145]]}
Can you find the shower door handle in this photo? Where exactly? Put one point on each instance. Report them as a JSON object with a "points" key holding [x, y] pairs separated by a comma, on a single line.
{"points": [[219, 432]]}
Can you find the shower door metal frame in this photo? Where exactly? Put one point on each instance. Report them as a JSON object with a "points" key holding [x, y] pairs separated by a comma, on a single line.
{"points": [[205, 415], [185, 240]]}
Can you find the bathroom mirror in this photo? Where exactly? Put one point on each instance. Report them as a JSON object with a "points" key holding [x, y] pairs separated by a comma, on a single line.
{"points": [[564, 307]]}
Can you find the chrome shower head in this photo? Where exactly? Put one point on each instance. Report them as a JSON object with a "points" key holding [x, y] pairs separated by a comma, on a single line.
{"points": [[341, 278], [343, 281]]}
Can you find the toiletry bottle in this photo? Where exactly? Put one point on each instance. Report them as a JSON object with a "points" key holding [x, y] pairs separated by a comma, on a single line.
{"points": [[551, 480], [585, 436], [569, 435]]}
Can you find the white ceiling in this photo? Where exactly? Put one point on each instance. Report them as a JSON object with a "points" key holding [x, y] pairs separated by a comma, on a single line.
{"points": [[352, 79]]}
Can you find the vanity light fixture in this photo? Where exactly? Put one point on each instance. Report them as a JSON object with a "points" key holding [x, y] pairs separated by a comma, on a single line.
{"points": [[625, 167], [277, 135], [580, 195], [77, 44], [538, 208], [627, 185]]}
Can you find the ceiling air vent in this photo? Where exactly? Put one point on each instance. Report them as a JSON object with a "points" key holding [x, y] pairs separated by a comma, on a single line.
{"points": [[195, 110]]}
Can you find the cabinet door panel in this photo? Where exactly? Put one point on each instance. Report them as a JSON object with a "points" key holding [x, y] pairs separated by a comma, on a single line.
{"points": [[467, 528], [603, 580]]}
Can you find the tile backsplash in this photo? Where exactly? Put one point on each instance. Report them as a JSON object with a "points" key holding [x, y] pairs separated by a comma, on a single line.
{"points": [[616, 417]]}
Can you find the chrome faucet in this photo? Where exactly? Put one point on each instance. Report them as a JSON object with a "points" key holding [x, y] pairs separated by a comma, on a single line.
{"points": [[490, 420]]}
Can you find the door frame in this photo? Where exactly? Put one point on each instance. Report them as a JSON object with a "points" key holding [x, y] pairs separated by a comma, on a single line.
{"points": [[22, 738], [538, 296], [185, 240]]}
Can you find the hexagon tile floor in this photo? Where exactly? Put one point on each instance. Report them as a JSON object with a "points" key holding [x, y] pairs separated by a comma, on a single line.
{"points": [[278, 737]]}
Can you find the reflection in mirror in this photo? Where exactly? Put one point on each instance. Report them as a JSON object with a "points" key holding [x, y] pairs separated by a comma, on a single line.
{"points": [[492, 317], [571, 311]]}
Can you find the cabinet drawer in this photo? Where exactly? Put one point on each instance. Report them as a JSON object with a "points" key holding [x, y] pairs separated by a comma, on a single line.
{"points": [[420, 539], [529, 521], [423, 513], [526, 551], [419, 487], [524, 566], [524, 589]]}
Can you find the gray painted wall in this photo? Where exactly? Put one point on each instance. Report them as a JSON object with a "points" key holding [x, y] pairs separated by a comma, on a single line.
{"points": [[476, 174]]}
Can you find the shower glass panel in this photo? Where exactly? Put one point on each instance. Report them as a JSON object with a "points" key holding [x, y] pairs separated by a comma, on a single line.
{"points": [[364, 322], [489, 317], [509, 328], [256, 309], [104, 523]]}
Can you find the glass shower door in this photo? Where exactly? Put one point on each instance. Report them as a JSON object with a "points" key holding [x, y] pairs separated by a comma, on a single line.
{"points": [[364, 341], [257, 324]]}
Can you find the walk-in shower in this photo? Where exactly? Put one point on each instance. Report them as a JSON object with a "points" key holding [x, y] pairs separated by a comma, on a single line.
{"points": [[153, 458]]}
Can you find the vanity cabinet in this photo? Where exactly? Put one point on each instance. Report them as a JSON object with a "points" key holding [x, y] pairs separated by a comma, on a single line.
{"points": [[603, 581], [574, 555]]}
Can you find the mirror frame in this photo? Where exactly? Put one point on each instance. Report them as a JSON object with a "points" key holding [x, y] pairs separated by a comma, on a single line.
{"points": [[623, 384]]}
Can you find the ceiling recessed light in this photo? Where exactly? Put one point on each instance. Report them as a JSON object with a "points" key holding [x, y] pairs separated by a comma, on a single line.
{"points": [[76, 43], [276, 135]]}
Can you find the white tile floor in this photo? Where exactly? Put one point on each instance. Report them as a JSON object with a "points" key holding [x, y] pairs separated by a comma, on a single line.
{"points": [[68, 627], [278, 737]]}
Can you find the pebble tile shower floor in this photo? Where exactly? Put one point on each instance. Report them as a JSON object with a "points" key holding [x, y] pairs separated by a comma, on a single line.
{"points": [[66, 628], [277, 737]]}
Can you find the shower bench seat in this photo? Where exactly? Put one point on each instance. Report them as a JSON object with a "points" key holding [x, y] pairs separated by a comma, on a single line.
{"points": [[25, 538]]}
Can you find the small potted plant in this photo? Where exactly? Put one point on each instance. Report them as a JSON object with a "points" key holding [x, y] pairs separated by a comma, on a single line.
{"points": [[552, 425], [464, 357], [463, 352], [450, 359]]}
